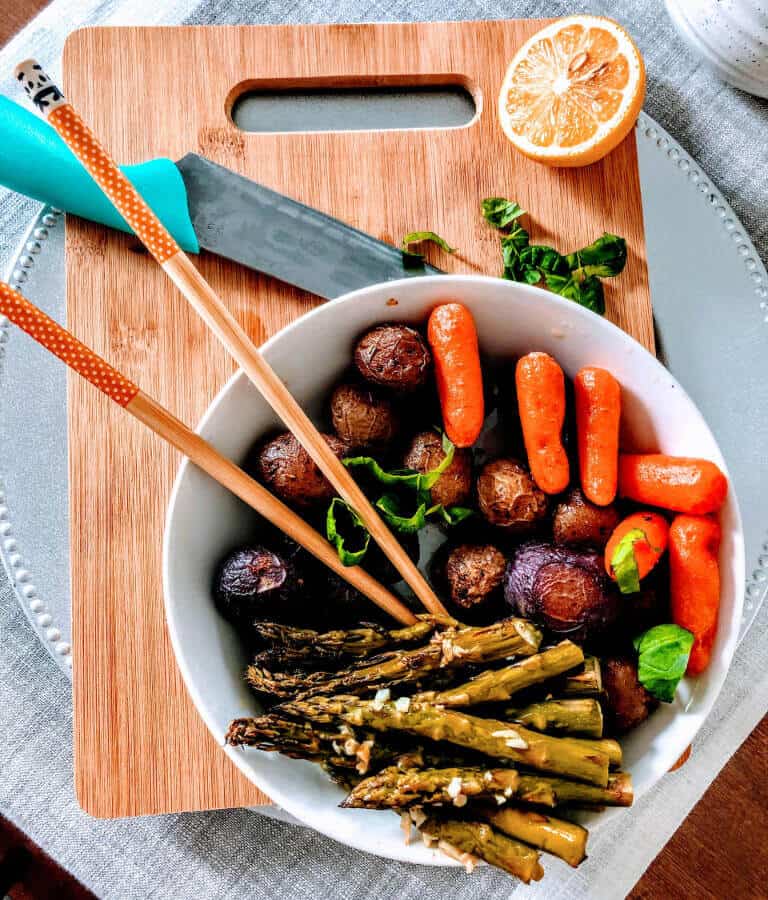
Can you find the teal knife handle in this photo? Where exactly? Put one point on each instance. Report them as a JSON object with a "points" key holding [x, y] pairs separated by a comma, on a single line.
{"points": [[34, 161]]}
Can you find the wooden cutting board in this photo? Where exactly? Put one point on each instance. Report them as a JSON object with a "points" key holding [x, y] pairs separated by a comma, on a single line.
{"points": [[139, 745]]}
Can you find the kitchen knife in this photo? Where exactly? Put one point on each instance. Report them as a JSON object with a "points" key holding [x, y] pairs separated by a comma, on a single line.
{"points": [[205, 206]]}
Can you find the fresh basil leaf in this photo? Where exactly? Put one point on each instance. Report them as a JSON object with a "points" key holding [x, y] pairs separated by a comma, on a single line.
{"points": [[337, 512], [544, 259], [663, 653], [407, 478], [624, 562], [392, 512], [512, 246], [500, 212], [605, 258], [417, 237], [453, 514], [587, 293], [395, 478]]}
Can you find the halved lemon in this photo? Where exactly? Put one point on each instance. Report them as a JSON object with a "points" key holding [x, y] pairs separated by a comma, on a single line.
{"points": [[573, 91]]}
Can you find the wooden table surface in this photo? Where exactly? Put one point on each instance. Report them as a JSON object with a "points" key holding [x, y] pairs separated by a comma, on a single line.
{"points": [[721, 849]]}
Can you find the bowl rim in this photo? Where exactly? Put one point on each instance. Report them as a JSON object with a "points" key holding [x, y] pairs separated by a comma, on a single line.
{"points": [[286, 799]]}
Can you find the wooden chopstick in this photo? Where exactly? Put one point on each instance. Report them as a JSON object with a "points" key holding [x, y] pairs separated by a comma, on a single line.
{"points": [[49, 334], [178, 266]]}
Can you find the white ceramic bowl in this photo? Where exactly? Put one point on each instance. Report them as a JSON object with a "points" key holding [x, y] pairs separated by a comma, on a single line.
{"points": [[204, 521]]}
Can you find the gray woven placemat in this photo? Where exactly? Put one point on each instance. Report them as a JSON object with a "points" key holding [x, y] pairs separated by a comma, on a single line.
{"points": [[238, 853]]}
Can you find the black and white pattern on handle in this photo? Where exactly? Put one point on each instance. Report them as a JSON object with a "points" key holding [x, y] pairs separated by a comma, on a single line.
{"points": [[41, 90]]}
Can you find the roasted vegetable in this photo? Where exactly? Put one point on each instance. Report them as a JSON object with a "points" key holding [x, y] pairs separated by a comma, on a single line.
{"points": [[627, 703], [397, 788], [454, 486], [597, 399], [634, 548], [452, 648], [567, 756], [393, 788], [498, 685], [363, 417], [333, 748], [452, 336], [394, 357], [540, 387], [577, 716], [683, 484], [256, 583], [288, 471], [555, 836], [694, 545], [458, 838], [475, 575], [587, 681], [564, 589], [508, 497], [300, 645], [578, 522]]}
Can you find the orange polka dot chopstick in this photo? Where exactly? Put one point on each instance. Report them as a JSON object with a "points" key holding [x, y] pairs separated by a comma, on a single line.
{"points": [[178, 266], [49, 334]]}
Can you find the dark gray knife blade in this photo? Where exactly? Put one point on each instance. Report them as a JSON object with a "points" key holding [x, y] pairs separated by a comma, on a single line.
{"points": [[246, 222]]}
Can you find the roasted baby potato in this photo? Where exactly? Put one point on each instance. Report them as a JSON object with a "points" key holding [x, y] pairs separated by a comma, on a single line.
{"points": [[454, 486], [565, 590], [508, 496], [578, 522], [288, 471], [474, 574], [394, 357], [255, 583], [363, 417], [627, 703]]}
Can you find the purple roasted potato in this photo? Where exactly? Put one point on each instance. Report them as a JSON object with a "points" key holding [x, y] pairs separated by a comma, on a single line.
{"points": [[563, 589], [255, 583]]}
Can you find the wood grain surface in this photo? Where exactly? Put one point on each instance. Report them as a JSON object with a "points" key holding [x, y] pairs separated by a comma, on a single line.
{"points": [[139, 745]]}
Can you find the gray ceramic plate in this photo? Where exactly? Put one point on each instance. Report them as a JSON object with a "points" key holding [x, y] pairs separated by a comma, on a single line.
{"points": [[710, 297]]}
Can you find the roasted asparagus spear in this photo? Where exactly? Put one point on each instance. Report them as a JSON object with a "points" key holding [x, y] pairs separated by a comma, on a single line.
{"points": [[295, 646], [561, 756], [395, 788], [608, 746], [496, 685], [579, 716], [558, 791], [481, 840], [335, 748], [450, 648], [588, 682], [556, 836]]}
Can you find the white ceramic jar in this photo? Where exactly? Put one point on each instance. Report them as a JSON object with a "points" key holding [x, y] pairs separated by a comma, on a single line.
{"points": [[730, 35]]}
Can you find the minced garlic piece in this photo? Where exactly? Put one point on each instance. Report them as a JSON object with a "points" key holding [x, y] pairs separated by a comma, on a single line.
{"points": [[454, 787], [513, 738]]}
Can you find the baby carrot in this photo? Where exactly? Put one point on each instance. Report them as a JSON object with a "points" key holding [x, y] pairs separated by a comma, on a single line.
{"points": [[694, 542], [673, 482], [541, 404], [452, 336], [648, 532], [597, 397]]}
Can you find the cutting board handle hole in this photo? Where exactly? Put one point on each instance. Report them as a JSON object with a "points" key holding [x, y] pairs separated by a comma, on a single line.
{"points": [[373, 104]]}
